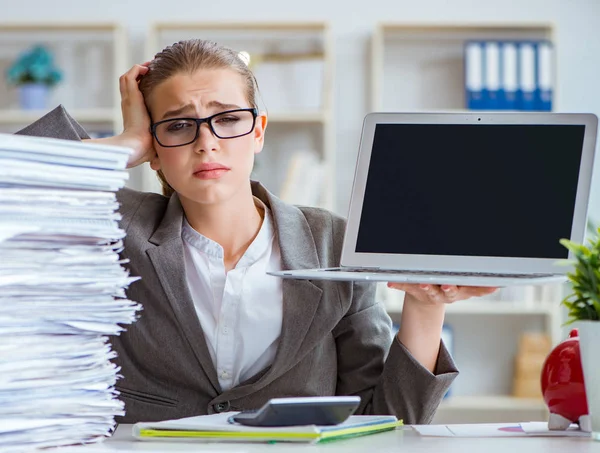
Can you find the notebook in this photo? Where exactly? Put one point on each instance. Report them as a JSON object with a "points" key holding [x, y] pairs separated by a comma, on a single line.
{"points": [[466, 199], [218, 428]]}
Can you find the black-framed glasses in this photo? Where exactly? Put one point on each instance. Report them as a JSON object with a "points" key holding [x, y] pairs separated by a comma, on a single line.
{"points": [[183, 131]]}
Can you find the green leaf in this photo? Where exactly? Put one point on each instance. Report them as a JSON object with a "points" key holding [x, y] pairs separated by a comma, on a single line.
{"points": [[584, 301]]}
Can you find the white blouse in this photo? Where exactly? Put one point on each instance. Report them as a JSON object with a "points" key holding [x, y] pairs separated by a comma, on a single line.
{"points": [[240, 311]]}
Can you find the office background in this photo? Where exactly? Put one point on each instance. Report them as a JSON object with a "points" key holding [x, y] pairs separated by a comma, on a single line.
{"points": [[486, 339], [576, 40]]}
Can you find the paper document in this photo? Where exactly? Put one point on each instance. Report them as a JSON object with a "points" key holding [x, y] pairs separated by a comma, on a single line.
{"points": [[497, 430], [62, 291]]}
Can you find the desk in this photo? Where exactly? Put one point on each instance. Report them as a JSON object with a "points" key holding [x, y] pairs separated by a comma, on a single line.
{"points": [[403, 440]]}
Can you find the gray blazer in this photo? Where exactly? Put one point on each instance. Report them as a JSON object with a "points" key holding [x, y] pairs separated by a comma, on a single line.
{"points": [[336, 339]]}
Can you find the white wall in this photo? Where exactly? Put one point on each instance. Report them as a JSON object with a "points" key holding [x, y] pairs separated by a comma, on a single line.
{"points": [[577, 43]]}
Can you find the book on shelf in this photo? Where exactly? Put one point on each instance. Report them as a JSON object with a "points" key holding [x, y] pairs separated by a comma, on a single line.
{"points": [[219, 428], [304, 181], [533, 349]]}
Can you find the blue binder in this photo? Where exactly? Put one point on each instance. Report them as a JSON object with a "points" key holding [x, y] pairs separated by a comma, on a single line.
{"points": [[527, 76], [509, 81], [491, 76], [474, 75], [544, 89]]}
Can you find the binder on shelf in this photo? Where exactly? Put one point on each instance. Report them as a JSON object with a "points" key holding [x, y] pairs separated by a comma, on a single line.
{"points": [[491, 76], [527, 79], [509, 81], [544, 84], [474, 75], [305, 178]]}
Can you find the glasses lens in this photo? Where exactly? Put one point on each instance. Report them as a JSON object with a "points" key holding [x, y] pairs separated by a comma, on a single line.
{"points": [[176, 132], [233, 124]]}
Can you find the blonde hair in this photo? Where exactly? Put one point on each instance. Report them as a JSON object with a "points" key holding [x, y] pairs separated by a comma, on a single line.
{"points": [[187, 57]]}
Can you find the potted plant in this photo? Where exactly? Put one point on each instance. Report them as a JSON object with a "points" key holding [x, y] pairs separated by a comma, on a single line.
{"points": [[583, 305], [34, 73]]}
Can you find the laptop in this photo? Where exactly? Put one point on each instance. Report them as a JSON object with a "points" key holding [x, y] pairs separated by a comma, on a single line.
{"points": [[470, 199]]}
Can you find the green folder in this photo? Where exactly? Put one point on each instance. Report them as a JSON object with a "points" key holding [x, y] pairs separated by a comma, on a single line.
{"points": [[217, 428]]}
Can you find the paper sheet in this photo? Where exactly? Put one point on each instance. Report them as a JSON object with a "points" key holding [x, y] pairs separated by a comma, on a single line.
{"points": [[496, 430]]}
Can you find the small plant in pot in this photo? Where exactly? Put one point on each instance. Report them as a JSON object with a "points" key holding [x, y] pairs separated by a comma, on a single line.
{"points": [[34, 73], [583, 305]]}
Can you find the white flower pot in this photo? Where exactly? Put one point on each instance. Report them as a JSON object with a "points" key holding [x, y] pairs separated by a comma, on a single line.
{"points": [[589, 339], [33, 96]]}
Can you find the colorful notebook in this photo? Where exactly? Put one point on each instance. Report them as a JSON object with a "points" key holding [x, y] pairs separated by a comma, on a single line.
{"points": [[217, 428]]}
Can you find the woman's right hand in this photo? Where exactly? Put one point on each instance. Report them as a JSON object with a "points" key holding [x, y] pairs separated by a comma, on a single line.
{"points": [[136, 121]]}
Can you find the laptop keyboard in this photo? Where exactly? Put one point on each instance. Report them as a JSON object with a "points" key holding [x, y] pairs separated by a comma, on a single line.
{"points": [[454, 274]]}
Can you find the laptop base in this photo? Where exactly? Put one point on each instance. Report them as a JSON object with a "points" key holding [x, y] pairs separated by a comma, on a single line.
{"points": [[435, 278]]}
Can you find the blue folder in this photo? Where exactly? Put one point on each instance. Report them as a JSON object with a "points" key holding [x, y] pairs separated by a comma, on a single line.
{"points": [[527, 76], [509, 76], [544, 65], [474, 75]]}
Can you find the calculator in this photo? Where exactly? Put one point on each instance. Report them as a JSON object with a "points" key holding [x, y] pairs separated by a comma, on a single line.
{"points": [[314, 410]]}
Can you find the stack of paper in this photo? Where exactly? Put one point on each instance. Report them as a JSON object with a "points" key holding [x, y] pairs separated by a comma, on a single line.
{"points": [[219, 428], [62, 290]]}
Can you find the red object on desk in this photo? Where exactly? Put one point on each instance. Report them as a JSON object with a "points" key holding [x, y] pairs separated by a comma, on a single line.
{"points": [[563, 386]]}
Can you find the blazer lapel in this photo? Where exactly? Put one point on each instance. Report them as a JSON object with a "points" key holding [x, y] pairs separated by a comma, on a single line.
{"points": [[300, 297], [167, 259]]}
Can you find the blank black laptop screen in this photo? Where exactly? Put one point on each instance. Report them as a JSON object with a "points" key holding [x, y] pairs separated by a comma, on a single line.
{"points": [[473, 190]]}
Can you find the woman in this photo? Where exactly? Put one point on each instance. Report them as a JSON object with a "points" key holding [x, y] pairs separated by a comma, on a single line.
{"points": [[217, 333]]}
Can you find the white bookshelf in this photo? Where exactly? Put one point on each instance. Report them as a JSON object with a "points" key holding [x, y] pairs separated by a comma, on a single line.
{"points": [[91, 115], [293, 63], [420, 67], [91, 57], [318, 117], [482, 306], [491, 409], [548, 311], [485, 337]]}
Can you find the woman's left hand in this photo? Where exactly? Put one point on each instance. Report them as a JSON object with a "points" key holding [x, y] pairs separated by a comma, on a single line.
{"points": [[441, 294]]}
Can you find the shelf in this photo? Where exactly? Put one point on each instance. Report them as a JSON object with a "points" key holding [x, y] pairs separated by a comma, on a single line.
{"points": [[255, 26], [492, 403], [420, 66], [467, 27], [81, 115], [108, 115], [297, 117], [463, 110], [59, 26], [493, 307], [91, 56]]}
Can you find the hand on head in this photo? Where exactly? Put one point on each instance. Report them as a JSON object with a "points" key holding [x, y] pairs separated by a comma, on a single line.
{"points": [[136, 121]]}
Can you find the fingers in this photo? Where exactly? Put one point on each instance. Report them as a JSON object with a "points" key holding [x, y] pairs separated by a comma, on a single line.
{"points": [[143, 70], [441, 293], [423, 292], [476, 291], [434, 293], [128, 82], [451, 292]]}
